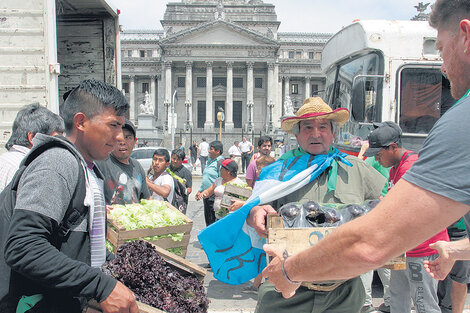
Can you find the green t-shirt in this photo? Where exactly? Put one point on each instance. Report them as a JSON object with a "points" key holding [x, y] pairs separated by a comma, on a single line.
{"points": [[385, 171]]}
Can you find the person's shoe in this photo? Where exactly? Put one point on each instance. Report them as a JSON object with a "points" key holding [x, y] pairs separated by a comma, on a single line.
{"points": [[384, 308], [368, 309]]}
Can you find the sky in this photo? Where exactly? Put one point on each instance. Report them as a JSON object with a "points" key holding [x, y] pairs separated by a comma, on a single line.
{"points": [[312, 16]]}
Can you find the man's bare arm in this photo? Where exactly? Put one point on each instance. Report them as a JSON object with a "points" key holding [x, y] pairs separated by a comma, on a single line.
{"points": [[406, 217]]}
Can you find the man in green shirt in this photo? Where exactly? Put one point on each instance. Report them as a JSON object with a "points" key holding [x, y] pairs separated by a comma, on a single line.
{"points": [[314, 127], [210, 174]]}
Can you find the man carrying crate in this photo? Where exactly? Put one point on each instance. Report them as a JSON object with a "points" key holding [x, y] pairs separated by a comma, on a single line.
{"points": [[314, 127]]}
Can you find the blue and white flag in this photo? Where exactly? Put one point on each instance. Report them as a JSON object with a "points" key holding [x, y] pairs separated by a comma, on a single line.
{"points": [[234, 250]]}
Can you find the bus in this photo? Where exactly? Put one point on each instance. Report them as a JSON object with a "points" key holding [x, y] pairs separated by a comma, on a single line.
{"points": [[385, 70]]}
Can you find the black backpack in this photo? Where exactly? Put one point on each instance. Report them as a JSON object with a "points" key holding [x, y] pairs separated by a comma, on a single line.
{"points": [[180, 198], [74, 215]]}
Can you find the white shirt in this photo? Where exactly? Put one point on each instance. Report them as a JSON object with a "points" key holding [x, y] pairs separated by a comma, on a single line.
{"points": [[245, 146], [204, 148], [164, 179], [10, 163], [234, 150]]}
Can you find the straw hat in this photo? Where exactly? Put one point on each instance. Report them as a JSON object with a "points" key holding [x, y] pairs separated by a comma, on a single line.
{"points": [[315, 108]]}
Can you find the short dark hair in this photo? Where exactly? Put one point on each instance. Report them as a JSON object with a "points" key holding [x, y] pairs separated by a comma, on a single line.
{"points": [[179, 153], [90, 97], [264, 139], [164, 153], [448, 13], [33, 118], [217, 145]]}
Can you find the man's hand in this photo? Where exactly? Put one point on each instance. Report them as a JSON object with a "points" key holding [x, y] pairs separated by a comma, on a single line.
{"points": [[440, 267], [198, 196], [273, 272], [257, 218], [121, 300]]}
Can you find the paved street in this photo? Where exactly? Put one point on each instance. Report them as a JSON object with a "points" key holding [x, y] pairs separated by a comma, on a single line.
{"points": [[229, 298]]}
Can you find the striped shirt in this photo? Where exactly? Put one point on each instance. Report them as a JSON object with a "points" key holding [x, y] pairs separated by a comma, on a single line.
{"points": [[98, 222]]}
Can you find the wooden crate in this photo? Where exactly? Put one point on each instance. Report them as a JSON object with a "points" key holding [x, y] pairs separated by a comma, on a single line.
{"points": [[174, 261], [117, 235], [295, 240], [232, 192]]}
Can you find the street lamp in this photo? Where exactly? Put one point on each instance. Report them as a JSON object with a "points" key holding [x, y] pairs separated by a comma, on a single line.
{"points": [[220, 118]]}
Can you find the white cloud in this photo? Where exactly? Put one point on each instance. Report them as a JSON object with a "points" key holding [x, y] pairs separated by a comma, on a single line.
{"points": [[294, 15]]}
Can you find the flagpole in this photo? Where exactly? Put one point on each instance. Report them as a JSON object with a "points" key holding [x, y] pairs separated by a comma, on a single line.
{"points": [[173, 121]]}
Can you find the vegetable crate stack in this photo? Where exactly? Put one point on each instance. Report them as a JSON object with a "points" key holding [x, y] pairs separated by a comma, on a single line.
{"points": [[299, 226], [155, 221]]}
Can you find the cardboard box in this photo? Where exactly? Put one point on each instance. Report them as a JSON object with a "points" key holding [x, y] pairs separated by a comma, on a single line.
{"points": [[117, 235]]}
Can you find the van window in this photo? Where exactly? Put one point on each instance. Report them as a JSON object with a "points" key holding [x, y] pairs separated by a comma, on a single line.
{"points": [[422, 93]]}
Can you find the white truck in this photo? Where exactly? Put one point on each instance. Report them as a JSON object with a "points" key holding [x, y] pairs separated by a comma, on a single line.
{"points": [[385, 70], [48, 46]]}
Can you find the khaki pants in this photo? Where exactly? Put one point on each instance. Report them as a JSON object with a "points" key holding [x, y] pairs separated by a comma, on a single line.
{"points": [[347, 298], [238, 160]]}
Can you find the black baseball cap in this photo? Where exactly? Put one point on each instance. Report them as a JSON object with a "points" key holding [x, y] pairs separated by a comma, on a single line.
{"points": [[129, 126], [229, 165], [382, 136]]}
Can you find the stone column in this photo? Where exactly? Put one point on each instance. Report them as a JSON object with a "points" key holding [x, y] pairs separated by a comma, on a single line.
{"points": [[286, 87], [153, 93], [307, 87], [249, 94], [167, 102], [209, 124], [270, 97], [277, 95], [229, 99], [189, 95], [132, 108]]}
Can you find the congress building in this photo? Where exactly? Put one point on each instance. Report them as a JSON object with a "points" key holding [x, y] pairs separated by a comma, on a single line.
{"points": [[219, 55]]}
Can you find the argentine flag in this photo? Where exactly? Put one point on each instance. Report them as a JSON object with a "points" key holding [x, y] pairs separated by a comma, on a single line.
{"points": [[234, 249]]}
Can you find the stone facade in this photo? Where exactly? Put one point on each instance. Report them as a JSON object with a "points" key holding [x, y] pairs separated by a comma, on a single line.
{"points": [[220, 54]]}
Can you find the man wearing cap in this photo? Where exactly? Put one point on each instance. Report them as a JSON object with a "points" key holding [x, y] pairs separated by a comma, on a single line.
{"points": [[414, 281], [124, 177], [347, 180]]}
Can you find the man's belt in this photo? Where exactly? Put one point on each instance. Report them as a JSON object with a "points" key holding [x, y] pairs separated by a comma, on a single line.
{"points": [[322, 287]]}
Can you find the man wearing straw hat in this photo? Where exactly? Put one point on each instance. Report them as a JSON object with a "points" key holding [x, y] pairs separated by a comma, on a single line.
{"points": [[348, 180]]}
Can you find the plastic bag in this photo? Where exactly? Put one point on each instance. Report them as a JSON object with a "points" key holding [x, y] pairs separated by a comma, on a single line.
{"points": [[313, 214]]}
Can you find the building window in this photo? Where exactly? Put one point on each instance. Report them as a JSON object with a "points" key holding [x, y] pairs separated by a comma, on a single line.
{"points": [[258, 82], [201, 114], [222, 81], [145, 87], [129, 53], [238, 82], [149, 53], [125, 87], [294, 89], [181, 82], [291, 54], [237, 114], [317, 55], [298, 54], [311, 55], [314, 90], [142, 53], [201, 82]]}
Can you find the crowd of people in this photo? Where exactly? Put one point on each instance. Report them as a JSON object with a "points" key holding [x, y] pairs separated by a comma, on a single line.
{"points": [[81, 161]]}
